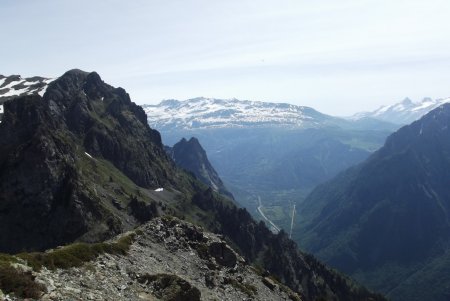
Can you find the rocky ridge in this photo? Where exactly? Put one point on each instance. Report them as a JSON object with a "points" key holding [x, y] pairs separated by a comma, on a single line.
{"points": [[169, 260]]}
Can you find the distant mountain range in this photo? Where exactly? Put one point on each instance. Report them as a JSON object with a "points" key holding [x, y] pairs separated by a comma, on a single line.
{"points": [[386, 221], [207, 113], [403, 112]]}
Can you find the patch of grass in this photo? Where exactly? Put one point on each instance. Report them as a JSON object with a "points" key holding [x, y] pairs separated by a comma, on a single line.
{"points": [[202, 250], [248, 289], [76, 254], [19, 283], [6, 258], [169, 287]]}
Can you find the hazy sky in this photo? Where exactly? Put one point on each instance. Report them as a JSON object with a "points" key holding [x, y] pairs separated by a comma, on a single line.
{"points": [[339, 57]]}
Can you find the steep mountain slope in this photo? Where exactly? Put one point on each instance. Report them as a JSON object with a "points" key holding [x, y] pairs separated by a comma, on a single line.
{"points": [[271, 152], [403, 112], [82, 164], [386, 221], [50, 194], [191, 156]]}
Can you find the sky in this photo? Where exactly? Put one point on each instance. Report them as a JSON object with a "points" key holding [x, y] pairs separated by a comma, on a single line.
{"points": [[339, 57]]}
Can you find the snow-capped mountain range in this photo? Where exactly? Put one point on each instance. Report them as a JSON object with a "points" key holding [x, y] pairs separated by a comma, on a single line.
{"points": [[403, 112], [203, 112], [15, 85]]}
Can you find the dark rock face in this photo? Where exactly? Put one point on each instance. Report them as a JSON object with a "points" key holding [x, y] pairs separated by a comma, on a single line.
{"points": [[222, 254], [191, 156], [387, 218], [46, 198], [110, 125]]}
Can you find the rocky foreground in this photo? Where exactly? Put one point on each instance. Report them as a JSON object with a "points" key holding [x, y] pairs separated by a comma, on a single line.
{"points": [[168, 259]]}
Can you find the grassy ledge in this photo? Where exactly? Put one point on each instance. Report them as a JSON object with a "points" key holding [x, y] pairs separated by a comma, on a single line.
{"points": [[21, 283]]}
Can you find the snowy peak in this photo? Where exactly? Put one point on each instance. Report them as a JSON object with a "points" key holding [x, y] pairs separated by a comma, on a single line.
{"points": [[213, 113], [404, 112], [14, 85]]}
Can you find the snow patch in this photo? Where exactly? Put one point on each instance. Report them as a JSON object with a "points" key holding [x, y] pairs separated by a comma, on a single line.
{"points": [[31, 83], [13, 92], [44, 89], [88, 155], [13, 83], [159, 189]]}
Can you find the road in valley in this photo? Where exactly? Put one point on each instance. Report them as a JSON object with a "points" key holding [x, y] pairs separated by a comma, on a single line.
{"points": [[266, 218]]}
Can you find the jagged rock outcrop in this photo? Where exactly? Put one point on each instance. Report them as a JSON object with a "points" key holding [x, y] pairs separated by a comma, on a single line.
{"points": [[190, 155]]}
